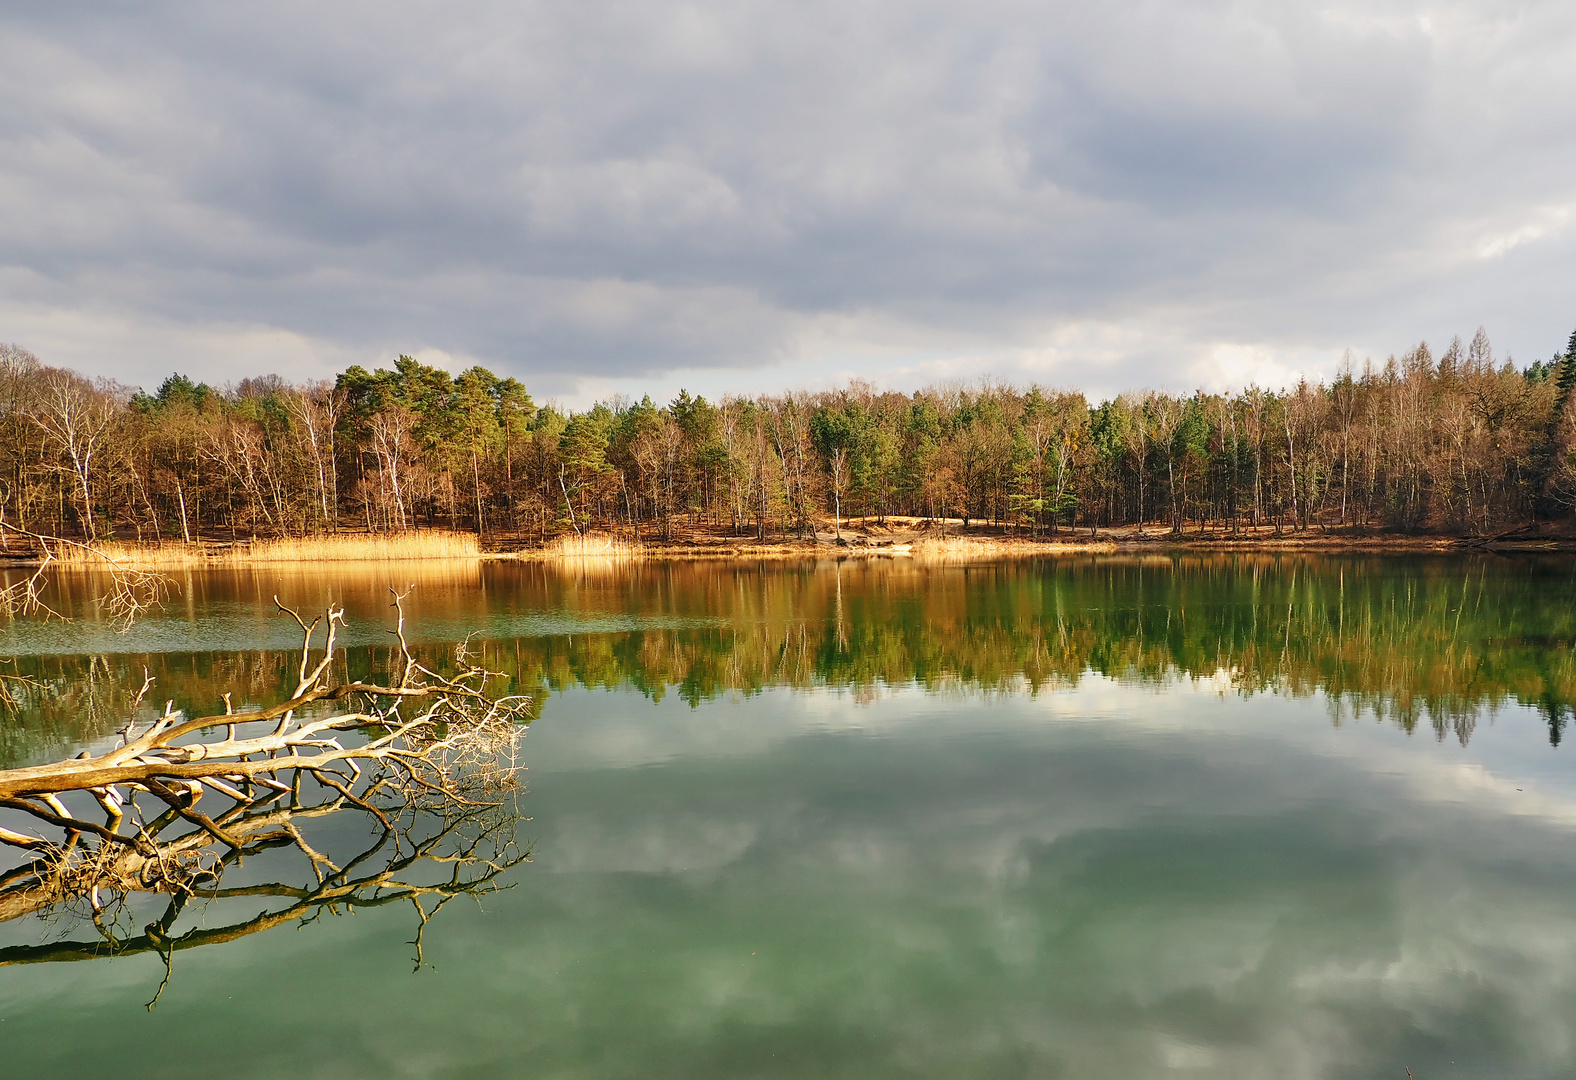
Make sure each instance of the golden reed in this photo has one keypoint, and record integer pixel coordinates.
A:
(965, 548)
(592, 546)
(299, 550)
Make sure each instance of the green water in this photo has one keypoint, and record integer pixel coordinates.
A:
(1105, 818)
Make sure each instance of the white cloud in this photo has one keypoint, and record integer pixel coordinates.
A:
(588, 196)
(1546, 221)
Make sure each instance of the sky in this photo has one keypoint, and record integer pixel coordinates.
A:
(630, 198)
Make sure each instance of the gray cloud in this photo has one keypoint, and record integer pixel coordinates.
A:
(783, 195)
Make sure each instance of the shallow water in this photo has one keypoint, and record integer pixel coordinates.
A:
(1238, 816)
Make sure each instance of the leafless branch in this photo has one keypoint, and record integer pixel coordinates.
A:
(426, 744)
(131, 591)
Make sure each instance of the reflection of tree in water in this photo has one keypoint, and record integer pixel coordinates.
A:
(1411, 641)
(426, 759)
(62, 703)
(1403, 640)
(1557, 716)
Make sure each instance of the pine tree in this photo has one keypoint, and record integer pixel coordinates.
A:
(1566, 379)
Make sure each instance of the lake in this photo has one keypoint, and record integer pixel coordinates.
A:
(1095, 817)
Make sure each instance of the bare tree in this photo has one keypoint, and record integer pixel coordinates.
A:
(75, 418)
(316, 409)
(391, 445)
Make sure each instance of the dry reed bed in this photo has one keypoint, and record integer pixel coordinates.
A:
(592, 546)
(602, 548)
(610, 550)
(301, 551)
(960, 548)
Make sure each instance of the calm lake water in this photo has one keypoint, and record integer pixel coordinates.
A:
(1238, 816)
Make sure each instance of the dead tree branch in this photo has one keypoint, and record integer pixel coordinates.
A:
(132, 591)
(126, 820)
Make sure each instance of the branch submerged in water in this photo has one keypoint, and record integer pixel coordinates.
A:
(426, 748)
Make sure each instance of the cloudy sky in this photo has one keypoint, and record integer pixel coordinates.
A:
(633, 197)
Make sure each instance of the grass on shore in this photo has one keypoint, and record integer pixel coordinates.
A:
(300, 550)
(921, 540)
(611, 549)
(960, 548)
(592, 546)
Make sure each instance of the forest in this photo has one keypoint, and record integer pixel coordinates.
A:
(1457, 442)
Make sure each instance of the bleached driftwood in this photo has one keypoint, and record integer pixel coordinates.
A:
(98, 828)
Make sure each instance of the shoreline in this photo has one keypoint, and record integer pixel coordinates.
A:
(987, 548)
(923, 546)
(914, 538)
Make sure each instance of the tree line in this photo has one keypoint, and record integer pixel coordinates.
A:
(1460, 442)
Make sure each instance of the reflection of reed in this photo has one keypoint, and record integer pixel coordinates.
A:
(191, 591)
(368, 579)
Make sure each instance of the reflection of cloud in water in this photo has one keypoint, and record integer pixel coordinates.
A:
(1231, 888)
(1106, 882)
(916, 864)
(622, 732)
